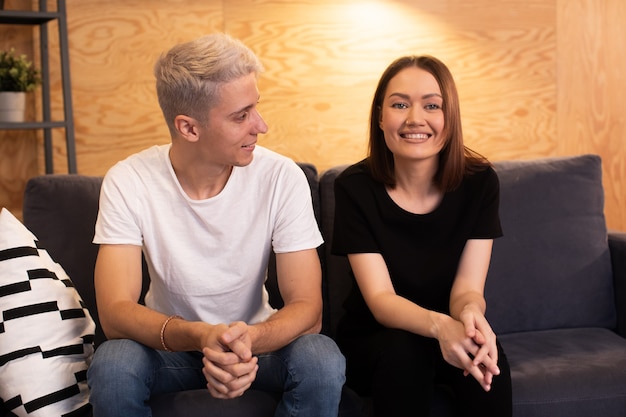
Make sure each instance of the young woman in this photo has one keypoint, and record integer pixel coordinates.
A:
(417, 219)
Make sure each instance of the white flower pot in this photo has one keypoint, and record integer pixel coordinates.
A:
(12, 106)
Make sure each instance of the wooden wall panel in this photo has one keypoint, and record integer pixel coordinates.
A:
(18, 148)
(591, 86)
(323, 60)
(536, 78)
(114, 45)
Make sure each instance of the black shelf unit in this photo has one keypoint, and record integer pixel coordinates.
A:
(41, 18)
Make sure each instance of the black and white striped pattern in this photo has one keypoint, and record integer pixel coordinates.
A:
(46, 333)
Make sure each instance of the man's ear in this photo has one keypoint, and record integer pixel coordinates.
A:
(187, 127)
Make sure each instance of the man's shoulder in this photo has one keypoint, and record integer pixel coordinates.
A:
(153, 154)
(149, 159)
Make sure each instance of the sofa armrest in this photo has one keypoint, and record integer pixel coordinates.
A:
(617, 246)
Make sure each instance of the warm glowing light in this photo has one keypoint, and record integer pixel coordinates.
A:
(384, 30)
(371, 13)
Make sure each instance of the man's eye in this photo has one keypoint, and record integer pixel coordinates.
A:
(242, 116)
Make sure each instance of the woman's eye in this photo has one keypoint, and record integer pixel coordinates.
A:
(399, 106)
(432, 106)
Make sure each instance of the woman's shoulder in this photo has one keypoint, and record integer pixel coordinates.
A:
(484, 177)
(355, 171)
(485, 170)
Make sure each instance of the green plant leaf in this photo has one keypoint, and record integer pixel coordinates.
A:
(17, 73)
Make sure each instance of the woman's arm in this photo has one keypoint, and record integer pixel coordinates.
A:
(394, 311)
(467, 303)
(390, 309)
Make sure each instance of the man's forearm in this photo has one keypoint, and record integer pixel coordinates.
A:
(284, 326)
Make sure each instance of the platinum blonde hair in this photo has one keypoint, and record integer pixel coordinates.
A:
(189, 74)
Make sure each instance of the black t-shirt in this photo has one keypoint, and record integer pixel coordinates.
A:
(422, 251)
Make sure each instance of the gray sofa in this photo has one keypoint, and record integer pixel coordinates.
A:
(556, 289)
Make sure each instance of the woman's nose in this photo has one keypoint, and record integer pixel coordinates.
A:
(414, 117)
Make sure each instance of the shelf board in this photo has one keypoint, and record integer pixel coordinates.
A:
(31, 125)
(22, 17)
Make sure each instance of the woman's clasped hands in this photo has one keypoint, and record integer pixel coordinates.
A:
(470, 344)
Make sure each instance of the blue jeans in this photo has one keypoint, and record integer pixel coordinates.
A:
(309, 372)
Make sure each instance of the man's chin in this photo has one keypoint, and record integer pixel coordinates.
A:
(244, 162)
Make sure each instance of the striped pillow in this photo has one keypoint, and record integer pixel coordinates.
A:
(46, 333)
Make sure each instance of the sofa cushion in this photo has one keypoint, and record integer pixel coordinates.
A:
(253, 403)
(46, 333)
(567, 372)
(552, 267)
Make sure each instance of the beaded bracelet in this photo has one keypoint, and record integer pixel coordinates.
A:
(165, 323)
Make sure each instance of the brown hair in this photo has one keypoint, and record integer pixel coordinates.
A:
(455, 159)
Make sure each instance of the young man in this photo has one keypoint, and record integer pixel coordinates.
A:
(206, 211)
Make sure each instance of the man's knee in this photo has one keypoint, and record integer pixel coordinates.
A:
(318, 355)
(117, 360)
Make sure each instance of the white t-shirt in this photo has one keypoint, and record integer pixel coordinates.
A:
(208, 259)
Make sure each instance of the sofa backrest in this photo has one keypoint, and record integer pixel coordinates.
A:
(552, 267)
(550, 270)
(60, 210)
(337, 280)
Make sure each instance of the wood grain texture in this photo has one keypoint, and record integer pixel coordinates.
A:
(18, 149)
(114, 45)
(537, 78)
(323, 60)
(591, 85)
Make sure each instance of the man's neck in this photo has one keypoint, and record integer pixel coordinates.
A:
(199, 181)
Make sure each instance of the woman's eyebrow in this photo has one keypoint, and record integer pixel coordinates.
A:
(407, 97)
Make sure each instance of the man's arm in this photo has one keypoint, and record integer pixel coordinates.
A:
(300, 283)
(118, 287)
(118, 278)
(299, 280)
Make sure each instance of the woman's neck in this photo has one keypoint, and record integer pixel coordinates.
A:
(415, 190)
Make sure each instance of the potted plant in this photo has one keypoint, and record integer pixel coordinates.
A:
(17, 77)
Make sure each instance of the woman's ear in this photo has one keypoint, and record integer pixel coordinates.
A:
(187, 127)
